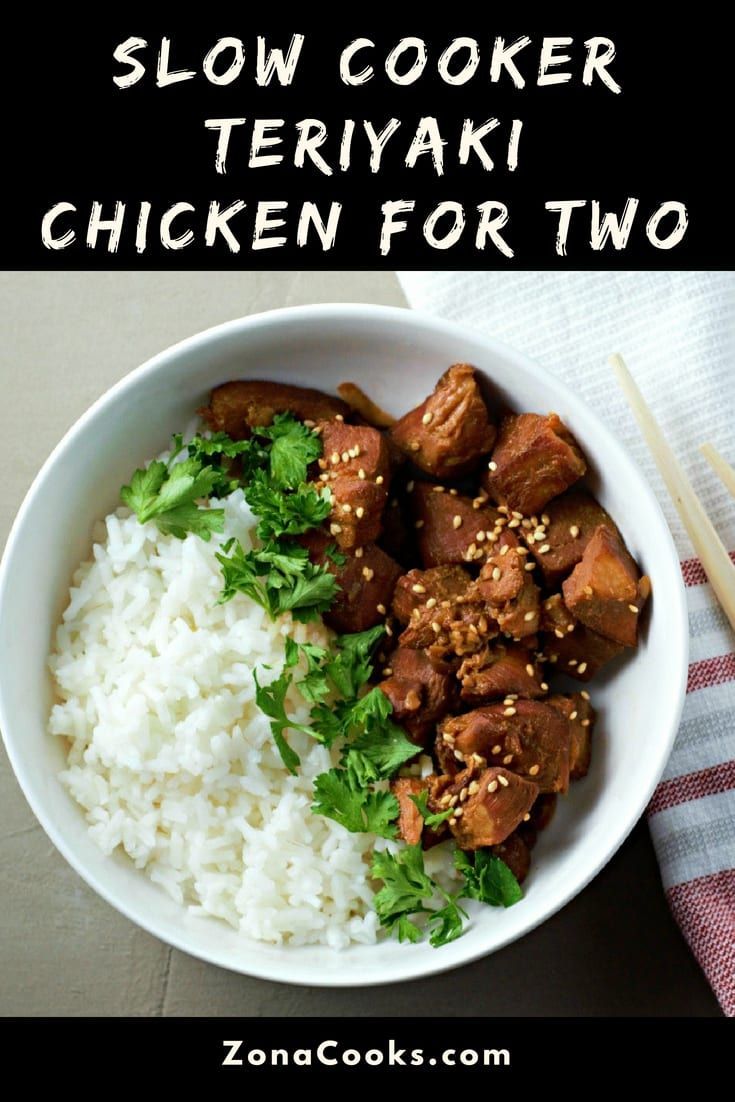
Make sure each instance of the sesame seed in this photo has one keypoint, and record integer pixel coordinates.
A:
(633, 608)
(534, 770)
(585, 695)
(418, 588)
(322, 464)
(356, 451)
(473, 788)
(345, 457)
(504, 549)
(427, 418)
(379, 480)
(480, 536)
(338, 417)
(510, 700)
(585, 723)
(497, 749)
(570, 627)
(457, 812)
(521, 551)
(517, 515)
(544, 549)
(582, 667)
(492, 465)
(381, 609)
(388, 671)
(414, 445)
(368, 572)
(515, 523)
(588, 590)
(457, 521)
(452, 822)
(509, 711)
(529, 616)
(529, 669)
(335, 458)
(359, 512)
(453, 492)
(463, 795)
(419, 524)
(347, 508)
(558, 633)
(438, 490)
(416, 615)
(507, 759)
(526, 817)
(361, 473)
(572, 662)
(388, 630)
(545, 519)
(412, 701)
(359, 552)
(435, 627)
(431, 603)
(460, 757)
(544, 687)
(530, 566)
(530, 537)
(492, 787)
(503, 780)
(410, 486)
(310, 424)
(324, 478)
(335, 529)
(573, 715)
(574, 531)
(496, 574)
(503, 508)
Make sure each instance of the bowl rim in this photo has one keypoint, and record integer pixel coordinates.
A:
(415, 968)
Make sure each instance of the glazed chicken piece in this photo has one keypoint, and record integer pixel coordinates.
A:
(418, 588)
(355, 465)
(541, 815)
(366, 580)
(535, 458)
(451, 528)
(527, 736)
(508, 589)
(581, 716)
(558, 538)
(450, 431)
(605, 591)
(488, 805)
(454, 628)
(420, 691)
(238, 407)
(514, 851)
(411, 826)
(569, 646)
(499, 670)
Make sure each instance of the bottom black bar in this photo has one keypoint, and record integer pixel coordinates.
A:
(516, 1052)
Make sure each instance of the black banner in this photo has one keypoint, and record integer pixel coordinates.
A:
(509, 1053)
(610, 155)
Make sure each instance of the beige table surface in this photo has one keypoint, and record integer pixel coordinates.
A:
(63, 951)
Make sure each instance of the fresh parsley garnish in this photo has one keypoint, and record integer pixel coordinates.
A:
(407, 888)
(168, 493)
(279, 576)
(487, 879)
(339, 796)
(271, 699)
(210, 452)
(293, 448)
(284, 513)
(431, 819)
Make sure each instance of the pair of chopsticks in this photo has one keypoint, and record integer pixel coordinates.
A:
(712, 553)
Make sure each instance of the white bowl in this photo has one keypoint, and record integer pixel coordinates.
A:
(396, 355)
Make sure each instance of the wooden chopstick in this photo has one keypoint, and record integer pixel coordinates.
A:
(719, 465)
(709, 547)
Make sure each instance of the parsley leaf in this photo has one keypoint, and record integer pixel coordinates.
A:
(286, 514)
(382, 744)
(356, 809)
(406, 890)
(279, 576)
(293, 448)
(351, 666)
(446, 923)
(488, 879)
(271, 701)
(167, 493)
(314, 686)
(209, 451)
(431, 819)
(332, 552)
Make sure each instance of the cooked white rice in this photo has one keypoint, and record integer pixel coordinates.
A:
(169, 755)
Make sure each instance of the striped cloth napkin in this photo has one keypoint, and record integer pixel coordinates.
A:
(676, 331)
